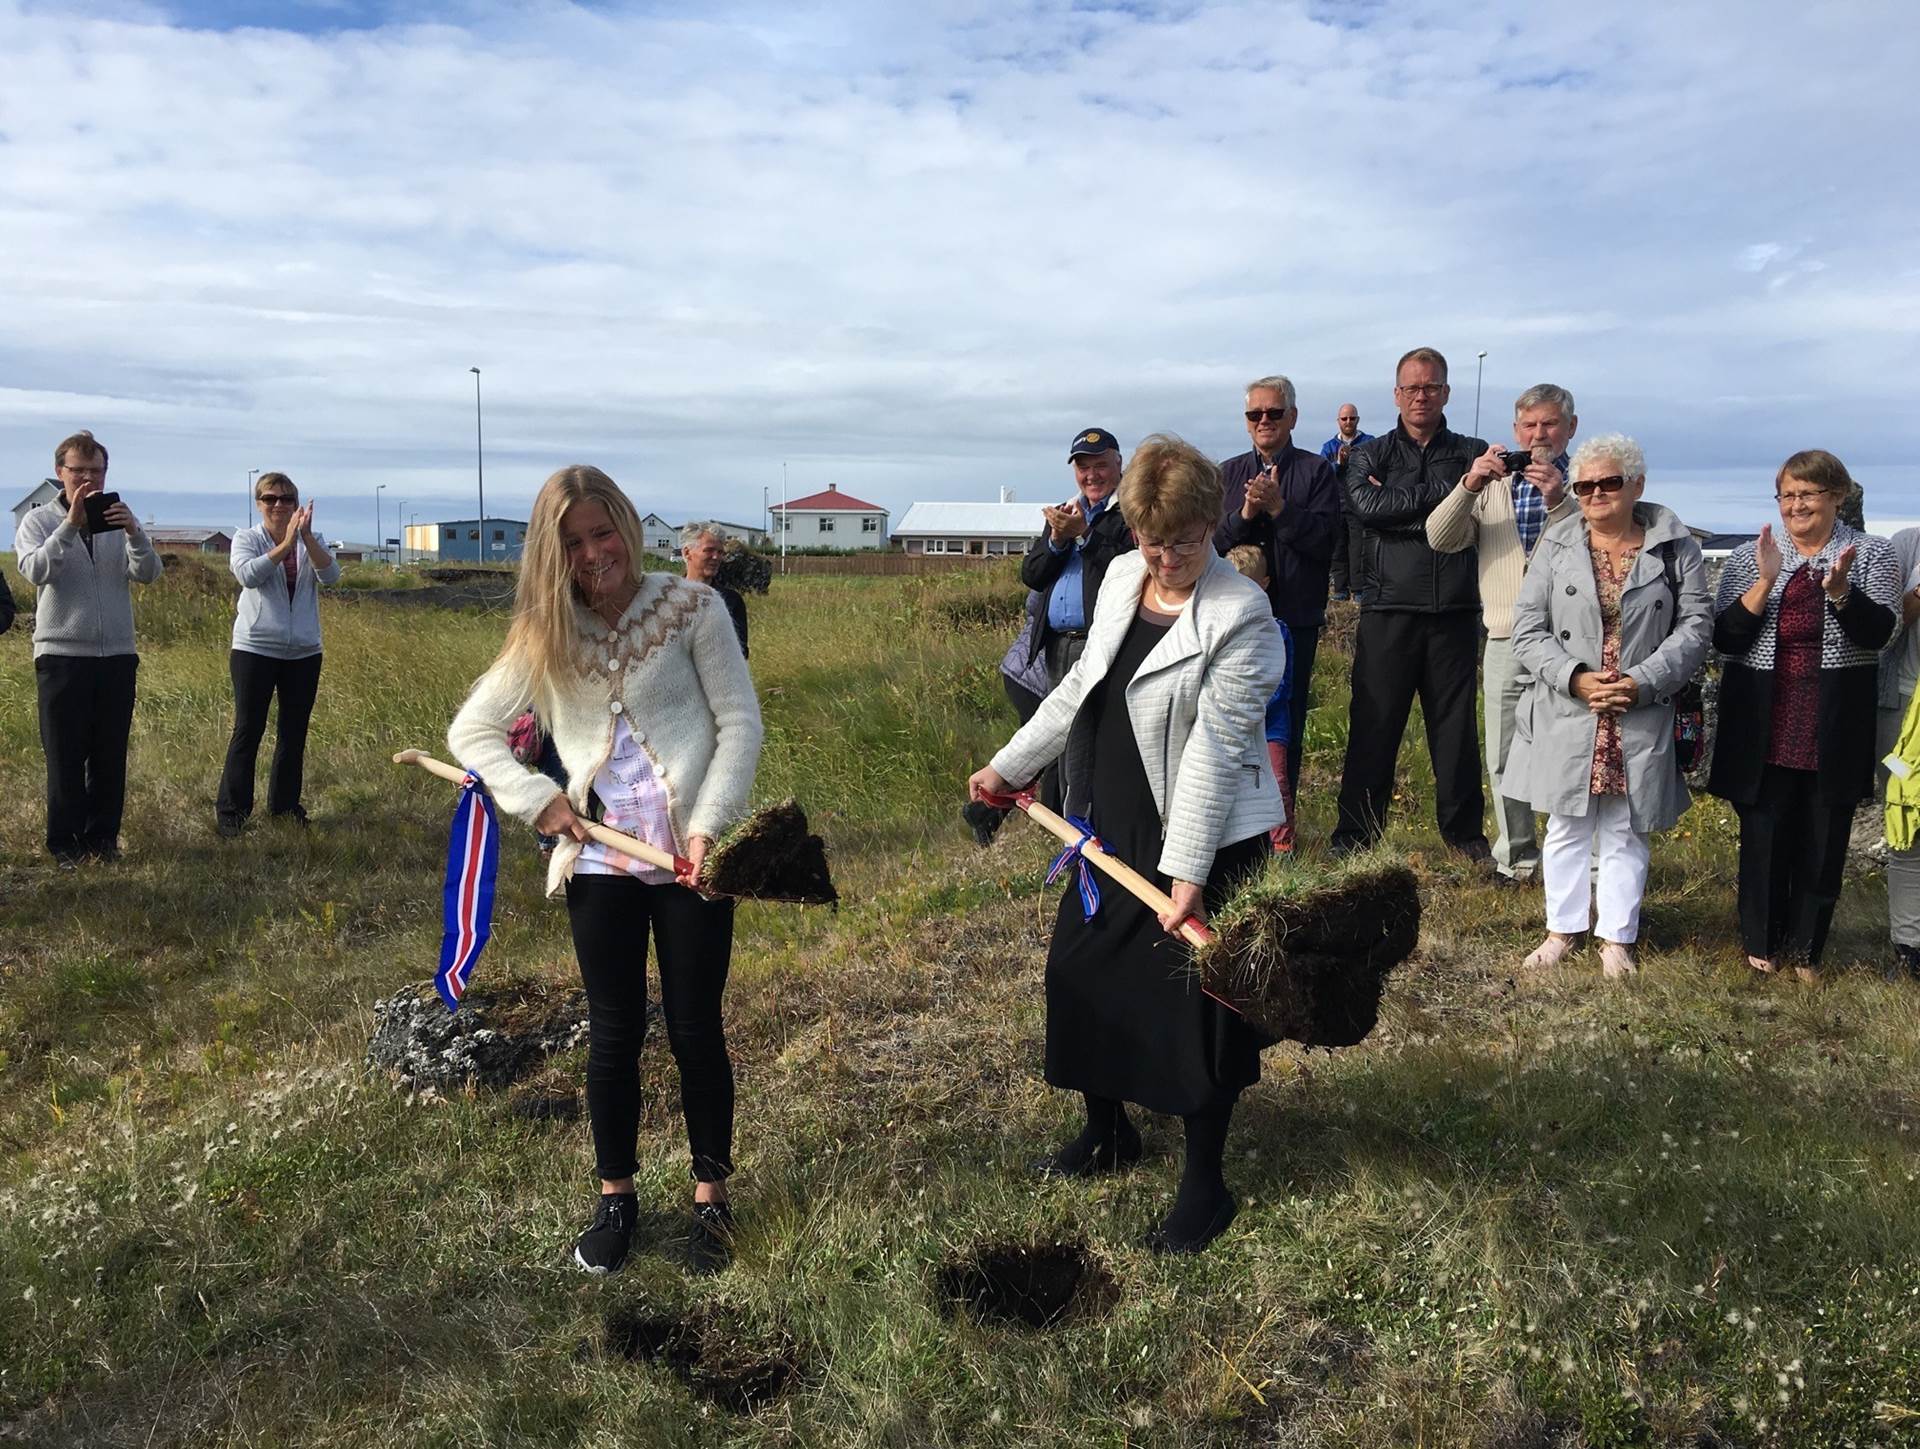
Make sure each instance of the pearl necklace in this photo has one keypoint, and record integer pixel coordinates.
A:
(1159, 604)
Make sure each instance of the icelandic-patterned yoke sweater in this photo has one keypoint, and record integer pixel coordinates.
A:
(673, 667)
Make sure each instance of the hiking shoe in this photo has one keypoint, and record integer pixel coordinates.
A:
(602, 1248)
(710, 1248)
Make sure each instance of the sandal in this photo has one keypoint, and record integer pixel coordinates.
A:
(1616, 961)
(1549, 952)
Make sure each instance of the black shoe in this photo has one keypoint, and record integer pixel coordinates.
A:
(296, 816)
(983, 820)
(1072, 1161)
(1906, 961)
(1163, 1240)
(710, 1248)
(229, 826)
(603, 1247)
(1475, 851)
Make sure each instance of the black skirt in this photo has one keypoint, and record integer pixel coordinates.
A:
(1125, 1014)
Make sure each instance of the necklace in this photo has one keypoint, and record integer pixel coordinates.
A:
(1160, 605)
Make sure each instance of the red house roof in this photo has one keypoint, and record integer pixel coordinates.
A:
(832, 498)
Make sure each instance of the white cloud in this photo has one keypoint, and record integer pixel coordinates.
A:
(913, 249)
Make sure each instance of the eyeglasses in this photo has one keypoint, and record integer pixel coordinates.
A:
(1587, 487)
(1787, 500)
(1185, 548)
(1421, 389)
(1267, 415)
(277, 500)
(84, 472)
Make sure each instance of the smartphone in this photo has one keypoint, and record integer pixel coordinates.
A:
(97, 505)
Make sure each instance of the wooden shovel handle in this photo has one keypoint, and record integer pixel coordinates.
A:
(1134, 883)
(605, 834)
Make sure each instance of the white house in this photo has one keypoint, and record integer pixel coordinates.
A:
(969, 528)
(659, 536)
(830, 520)
(46, 492)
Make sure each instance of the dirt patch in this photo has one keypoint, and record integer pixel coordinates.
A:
(495, 1038)
(709, 1352)
(1035, 1286)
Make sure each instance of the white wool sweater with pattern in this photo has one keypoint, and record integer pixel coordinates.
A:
(686, 695)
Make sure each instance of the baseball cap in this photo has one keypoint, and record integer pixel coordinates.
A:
(1093, 440)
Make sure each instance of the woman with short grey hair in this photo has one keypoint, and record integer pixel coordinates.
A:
(1611, 621)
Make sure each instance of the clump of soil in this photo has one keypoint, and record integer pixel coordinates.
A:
(498, 1035)
(1035, 1286)
(772, 856)
(1305, 954)
(708, 1352)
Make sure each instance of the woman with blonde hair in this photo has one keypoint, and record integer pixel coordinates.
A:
(639, 682)
(1161, 720)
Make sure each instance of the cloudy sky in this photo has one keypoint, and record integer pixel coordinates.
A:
(912, 249)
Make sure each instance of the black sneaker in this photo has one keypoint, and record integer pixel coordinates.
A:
(229, 826)
(710, 1248)
(1906, 961)
(602, 1248)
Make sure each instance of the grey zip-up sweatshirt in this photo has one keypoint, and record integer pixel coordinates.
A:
(83, 602)
(267, 621)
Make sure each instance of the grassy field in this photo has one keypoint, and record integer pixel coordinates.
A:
(1529, 1211)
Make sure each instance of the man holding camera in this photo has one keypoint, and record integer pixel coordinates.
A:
(1284, 501)
(1419, 629)
(80, 551)
(1499, 509)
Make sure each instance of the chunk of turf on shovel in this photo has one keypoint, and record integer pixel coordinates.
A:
(771, 856)
(1304, 947)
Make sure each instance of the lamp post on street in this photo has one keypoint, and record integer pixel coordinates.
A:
(398, 508)
(247, 518)
(379, 538)
(405, 537)
(1479, 371)
(479, 463)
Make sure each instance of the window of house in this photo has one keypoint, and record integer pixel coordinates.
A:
(452, 534)
(826, 525)
(869, 525)
(474, 534)
(499, 535)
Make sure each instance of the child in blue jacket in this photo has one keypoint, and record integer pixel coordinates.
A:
(1249, 559)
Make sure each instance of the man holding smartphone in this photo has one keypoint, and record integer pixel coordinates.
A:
(1499, 509)
(1285, 501)
(80, 552)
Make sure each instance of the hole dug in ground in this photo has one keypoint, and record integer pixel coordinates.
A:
(1035, 1285)
(709, 1351)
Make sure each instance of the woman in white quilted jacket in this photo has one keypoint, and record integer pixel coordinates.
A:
(1163, 722)
(639, 681)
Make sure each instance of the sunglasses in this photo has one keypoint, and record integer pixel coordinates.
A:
(1587, 487)
(1267, 415)
(276, 500)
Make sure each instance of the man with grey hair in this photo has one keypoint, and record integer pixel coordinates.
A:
(1499, 508)
(702, 548)
(1285, 501)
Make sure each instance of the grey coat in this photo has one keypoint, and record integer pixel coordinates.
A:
(1556, 631)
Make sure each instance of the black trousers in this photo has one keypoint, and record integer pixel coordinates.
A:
(1306, 644)
(1025, 703)
(256, 679)
(1793, 855)
(1348, 572)
(610, 916)
(86, 717)
(1396, 656)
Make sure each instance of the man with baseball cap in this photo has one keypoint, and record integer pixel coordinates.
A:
(1069, 559)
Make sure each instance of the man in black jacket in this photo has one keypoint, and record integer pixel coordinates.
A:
(1419, 629)
(1068, 561)
(1285, 501)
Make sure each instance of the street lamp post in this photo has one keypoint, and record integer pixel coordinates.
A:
(398, 508)
(1479, 371)
(247, 517)
(479, 463)
(379, 538)
(406, 536)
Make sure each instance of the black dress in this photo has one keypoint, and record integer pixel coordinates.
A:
(1126, 1018)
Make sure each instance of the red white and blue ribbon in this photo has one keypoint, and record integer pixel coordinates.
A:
(473, 855)
(1089, 884)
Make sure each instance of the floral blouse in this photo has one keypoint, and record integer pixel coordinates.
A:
(1609, 760)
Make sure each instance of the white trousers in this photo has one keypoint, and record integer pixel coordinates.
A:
(1605, 838)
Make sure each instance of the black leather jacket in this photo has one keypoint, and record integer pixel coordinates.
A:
(1403, 571)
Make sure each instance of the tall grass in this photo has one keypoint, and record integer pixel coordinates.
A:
(1531, 1210)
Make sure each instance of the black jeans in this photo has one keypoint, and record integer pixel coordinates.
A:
(256, 678)
(1793, 855)
(86, 716)
(1397, 655)
(694, 946)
